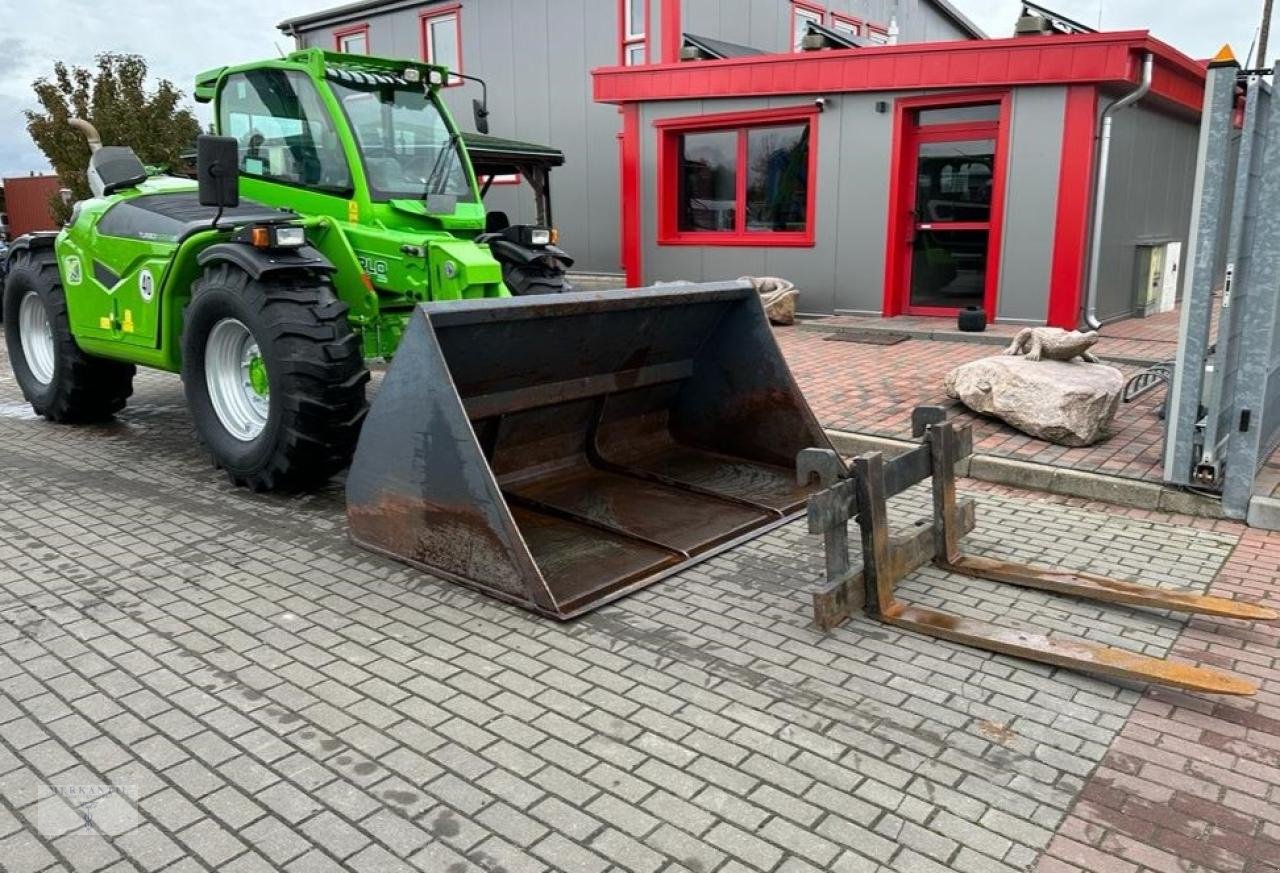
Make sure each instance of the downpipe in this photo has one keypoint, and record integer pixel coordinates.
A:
(1100, 195)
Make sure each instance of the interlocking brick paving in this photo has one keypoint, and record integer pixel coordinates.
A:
(1192, 783)
(872, 389)
(276, 698)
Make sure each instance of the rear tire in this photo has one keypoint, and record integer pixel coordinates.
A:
(60, 381)
(274, 377)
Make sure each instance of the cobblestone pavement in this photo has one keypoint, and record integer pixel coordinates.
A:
(264, 695)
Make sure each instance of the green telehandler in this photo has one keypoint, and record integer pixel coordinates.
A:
(557, 449)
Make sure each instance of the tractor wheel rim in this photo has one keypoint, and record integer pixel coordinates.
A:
(237, 378)
(37, 337)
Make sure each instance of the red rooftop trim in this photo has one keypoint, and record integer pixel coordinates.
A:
(1095, 58)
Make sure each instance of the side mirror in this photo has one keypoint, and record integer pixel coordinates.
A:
(217, 171)
(481, 111)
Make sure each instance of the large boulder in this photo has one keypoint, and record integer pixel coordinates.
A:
(1069, 403)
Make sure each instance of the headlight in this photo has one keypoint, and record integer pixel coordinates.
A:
(290, 236)
(412, 74)
(436, 77)
(539, 236)
(275, 236)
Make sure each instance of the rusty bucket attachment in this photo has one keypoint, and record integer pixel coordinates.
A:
(887, 560)
(562, 451)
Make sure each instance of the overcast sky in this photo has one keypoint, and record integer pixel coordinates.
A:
(181, 37)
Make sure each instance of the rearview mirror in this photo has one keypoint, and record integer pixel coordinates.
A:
(217, 171)
(481, 112)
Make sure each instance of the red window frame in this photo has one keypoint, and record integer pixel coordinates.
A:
(670, 131)
(857, 24)
(897, 268)
(877, 29)
(796, 7)
(353, 30)
(499, 179)
(628, 40)
(424, 34)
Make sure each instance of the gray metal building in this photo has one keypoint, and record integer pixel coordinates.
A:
(537, 57)
(916, 179)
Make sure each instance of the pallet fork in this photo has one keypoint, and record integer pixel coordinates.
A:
(863, 493)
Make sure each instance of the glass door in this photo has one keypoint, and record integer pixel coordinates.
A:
(949, 241)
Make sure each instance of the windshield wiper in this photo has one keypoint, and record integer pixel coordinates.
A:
(441, 169)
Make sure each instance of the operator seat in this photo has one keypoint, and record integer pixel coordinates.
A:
(496, 221)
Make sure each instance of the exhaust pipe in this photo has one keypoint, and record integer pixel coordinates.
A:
(90, 132)
(1100, 195)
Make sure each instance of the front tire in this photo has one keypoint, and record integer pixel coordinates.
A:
(531, 279)
(60, 381)
(274, 377)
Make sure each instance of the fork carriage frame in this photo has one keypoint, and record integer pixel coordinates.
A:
(862, 493)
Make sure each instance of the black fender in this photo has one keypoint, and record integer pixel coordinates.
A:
(260, 262)
(36, 241)
(548, 257)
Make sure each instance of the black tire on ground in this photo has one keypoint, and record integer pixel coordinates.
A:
(521, 281)
(314, 369)
(83, 387)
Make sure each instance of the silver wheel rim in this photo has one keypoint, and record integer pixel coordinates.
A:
(37, 337)
(232, 365)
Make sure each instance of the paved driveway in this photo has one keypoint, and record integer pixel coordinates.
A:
(196, 678)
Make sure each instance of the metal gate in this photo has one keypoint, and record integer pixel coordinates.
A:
(1224, 403)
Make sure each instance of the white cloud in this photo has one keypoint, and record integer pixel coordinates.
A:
(1196, 27)
(178, 39)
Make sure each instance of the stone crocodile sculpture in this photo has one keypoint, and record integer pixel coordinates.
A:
(1053, 344)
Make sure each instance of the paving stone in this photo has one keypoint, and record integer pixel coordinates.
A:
(294, 702)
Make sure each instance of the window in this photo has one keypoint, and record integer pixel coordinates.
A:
(285, 133)
(442, 39)
(407, 149)
(959, 114)
(778, 179)
(633, 17)
(709, 181)
(877, 34)
(801, 15)
(738, 179)
(353, 40)
(846, 25)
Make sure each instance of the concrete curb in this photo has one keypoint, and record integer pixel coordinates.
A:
(953, 336)
(1264, 512)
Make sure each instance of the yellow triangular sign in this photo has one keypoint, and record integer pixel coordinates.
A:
(1224, 55)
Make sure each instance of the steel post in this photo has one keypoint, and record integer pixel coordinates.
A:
(1207, 224)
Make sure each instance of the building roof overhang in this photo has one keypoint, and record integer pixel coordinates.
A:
(1106, 60)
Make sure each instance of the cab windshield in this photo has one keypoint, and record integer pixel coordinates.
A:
(407, 148)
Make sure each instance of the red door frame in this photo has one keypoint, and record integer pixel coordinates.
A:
(902, 189)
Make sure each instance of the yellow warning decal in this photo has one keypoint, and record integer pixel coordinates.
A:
(128, 321)
(353, 211)
(105, 322)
